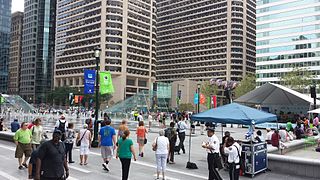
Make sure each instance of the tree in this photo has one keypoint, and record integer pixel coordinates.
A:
(297, 79)
(208, 89)
(60, 95)
(247, 84)
(186, 107)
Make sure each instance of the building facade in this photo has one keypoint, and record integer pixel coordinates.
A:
(15, 53)
(37, 49)
(200, 40)
(5, 22)
(125, 32)
(288, 36)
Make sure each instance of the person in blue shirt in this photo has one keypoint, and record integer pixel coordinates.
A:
(107, 142)
(15, 125)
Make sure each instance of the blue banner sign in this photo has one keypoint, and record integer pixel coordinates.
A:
(89, 80)
(196, 98)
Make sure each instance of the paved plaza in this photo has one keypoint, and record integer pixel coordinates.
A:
(144, 168)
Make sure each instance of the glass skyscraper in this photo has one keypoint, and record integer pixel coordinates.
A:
(37, 49)
(288, 36)
(5, 22)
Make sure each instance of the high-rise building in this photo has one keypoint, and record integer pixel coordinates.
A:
(15, 52)
(5, 22)
(288, 36)
(37, 49)
(125, 32)
(204, 39)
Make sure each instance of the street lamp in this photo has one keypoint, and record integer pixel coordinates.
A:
(198, 86)
(97, 53)
(178, 96)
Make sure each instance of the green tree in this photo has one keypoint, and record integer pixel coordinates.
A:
(208, 90)
(60, 95)
(297, 79)
(247, 84)
(186, 107)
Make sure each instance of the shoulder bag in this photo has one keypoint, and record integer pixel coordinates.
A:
(154, 148)
(79, 142)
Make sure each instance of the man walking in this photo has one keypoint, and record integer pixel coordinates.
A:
(212, 147)
(51, 160)
(62, 125)
(22, 139)
(107, 141)
(182, 128)
(171, 134)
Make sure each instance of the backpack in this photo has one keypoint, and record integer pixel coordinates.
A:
(62, 126)
(170, 134)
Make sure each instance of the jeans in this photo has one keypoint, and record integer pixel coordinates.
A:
(213, 173)
(69, 147)
(171, 151)
(125, 163)
(182, 137)
(161, 162)
(233, 172)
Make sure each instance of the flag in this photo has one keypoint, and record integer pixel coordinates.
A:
(1, 99)
(214, 101)
(208, 102)
(76, 99)
(202, 99)
(195, 99)
(106, 86)
(89, 81)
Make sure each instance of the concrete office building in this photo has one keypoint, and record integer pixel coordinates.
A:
(37, 49)
(5, 22)
(125, 32)
(15, 52)
(288, 36)
(200, 40)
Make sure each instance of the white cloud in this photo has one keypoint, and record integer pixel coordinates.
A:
(17, 5)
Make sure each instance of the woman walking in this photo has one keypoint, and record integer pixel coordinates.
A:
(124, 152)
(85, 137)
(161, 146)
(37, 134)
(141, 137)
(70, 135)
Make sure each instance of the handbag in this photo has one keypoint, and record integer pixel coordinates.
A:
(154, 148)
(145, 140)
(79, 142)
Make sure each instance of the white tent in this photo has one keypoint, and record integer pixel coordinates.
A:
(315, 111)
(275, 94)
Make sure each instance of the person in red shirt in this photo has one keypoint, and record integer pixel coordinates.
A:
(275, 139)
(141, 137)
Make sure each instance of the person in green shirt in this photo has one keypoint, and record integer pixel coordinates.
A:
(124, 152)
(22, 139)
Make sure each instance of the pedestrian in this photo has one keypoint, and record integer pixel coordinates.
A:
(224, 156)
(22, 139)
(269, 135)
(233, 149)
(212, 148)
(32, 166)
(124, 152)
(259, 138)
(107, 141)
(51, 160)
(123, 126)
(1, 124)
(182, 128)
(62, 125)
(15, 125)
(140, 117)
(164, 120)
(70, 135)
(150, 119)
(85, 137)
(141, 137)
(171, 134)
(161, 146)
(37, 134)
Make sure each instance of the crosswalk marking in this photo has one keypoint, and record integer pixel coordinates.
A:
(79, 169)
(7, 176)
(167, 177)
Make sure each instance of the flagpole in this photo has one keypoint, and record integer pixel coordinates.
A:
(95, 141)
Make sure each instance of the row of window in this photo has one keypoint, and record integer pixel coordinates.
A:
(288, 48)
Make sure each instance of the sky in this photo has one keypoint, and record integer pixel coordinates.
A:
(17, 5)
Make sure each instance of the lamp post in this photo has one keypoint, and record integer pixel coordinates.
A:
(198, 88)
(97, 52)
(178, 96)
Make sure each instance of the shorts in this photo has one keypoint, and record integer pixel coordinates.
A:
(140, 141)
(23, 149)
(84, 150)
(106, 152)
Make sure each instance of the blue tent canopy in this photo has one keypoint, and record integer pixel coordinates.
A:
(234, 114)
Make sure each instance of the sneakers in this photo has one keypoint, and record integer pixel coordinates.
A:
(171, 162)
(25, 165)
(20, 167)
(71, 161)
(105, 167)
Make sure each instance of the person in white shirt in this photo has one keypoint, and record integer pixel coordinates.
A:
(233, 149)
(85, 137)
(140, 117)
(212, 147)
(150, 119)
(269, 135)
(259, 136)
(161, 144)
(182, 128)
